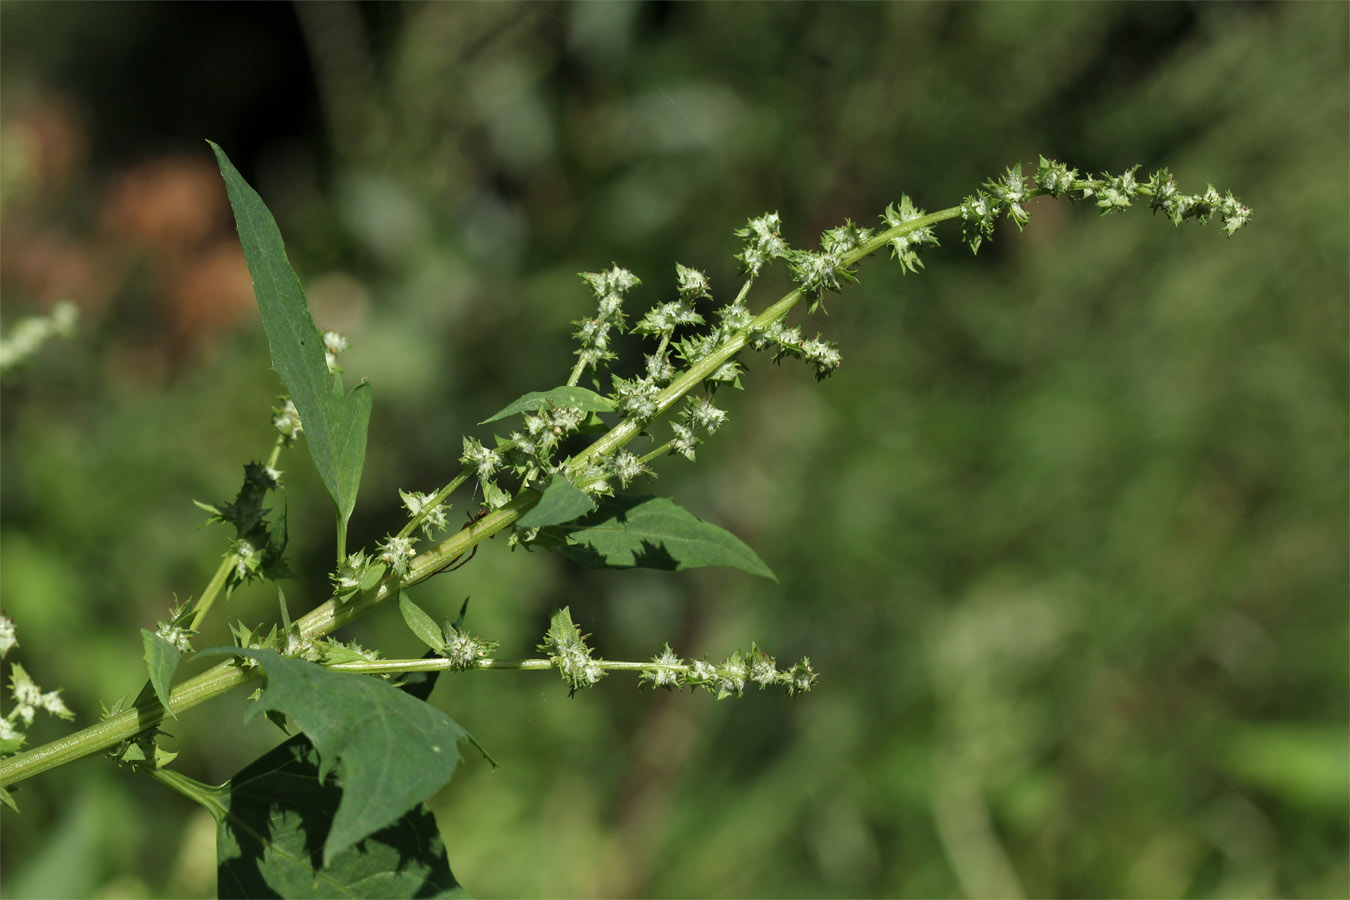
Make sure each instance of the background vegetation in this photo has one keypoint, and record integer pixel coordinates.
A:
(1066, 536)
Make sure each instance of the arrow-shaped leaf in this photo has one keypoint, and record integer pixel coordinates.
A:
(573, 397)
(651, 533)
(267, 845)
(395, 750)
(335, 425)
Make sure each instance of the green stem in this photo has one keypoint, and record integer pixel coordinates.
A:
(276, 452)
(213, 589)
(745, 289)
(658, 452)
(123, 726)
(395, 666)
(194, 790)
(576, 373)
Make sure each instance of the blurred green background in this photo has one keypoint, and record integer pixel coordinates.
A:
(1066, 536)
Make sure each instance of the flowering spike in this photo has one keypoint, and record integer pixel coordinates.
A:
(763, 244)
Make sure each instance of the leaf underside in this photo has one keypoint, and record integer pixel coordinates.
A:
(561, 502)
(270, 838)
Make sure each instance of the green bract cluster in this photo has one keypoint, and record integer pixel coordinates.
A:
(580, 668)
(259, 543)
(1112, 193)
(26, 697)
(731, 676)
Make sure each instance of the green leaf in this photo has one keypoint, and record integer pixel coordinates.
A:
(267, 844)
(651, 533)
(421, 624)
(372, 576)
(161, 659)
(561, 502)
(335, 425)
(395, 751)
(574, 397)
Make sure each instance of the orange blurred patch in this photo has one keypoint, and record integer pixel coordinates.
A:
(172, 214)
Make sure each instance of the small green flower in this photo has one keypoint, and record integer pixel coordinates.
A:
(763, 670)
(844, 238)
(434, 517)
(286, 421)
(626, 467)
(691, 283)
(484, 460)
(823, 355)
(667, 676)
(333, 344)
(905, 247)
(8, 636)
(566, 646)
(636, 397)
(762, 244)
(247, 559)
(703, 414)
(816, 273)
(731, 676)
(463, 650)
(799, 678)
(177, 636)
(684, 441)
(1055, 177)
(397, 552)
(978, 215)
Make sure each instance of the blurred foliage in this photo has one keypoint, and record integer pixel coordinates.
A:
(1066, 536)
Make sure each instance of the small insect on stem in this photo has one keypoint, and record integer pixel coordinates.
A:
(456, 563)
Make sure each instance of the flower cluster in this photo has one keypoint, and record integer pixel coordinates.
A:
(463, 649)
(351, 574)
(9, 638)
(699, 416)
(763, 243)
(396, 553)
(845, 238)
(816, 273)
(1111, 193)
(663, 319)
(636, 397)
(333, 344)
(626, 466)
(1179, 207)
(822, 355)
(609, 288)
(431, 516)
(729, 677)
(257, 549)
(531, 451)
(905, 247)
(483, 460)
(28, 697)
(286, 421)
(566, 648)
(175, 634)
